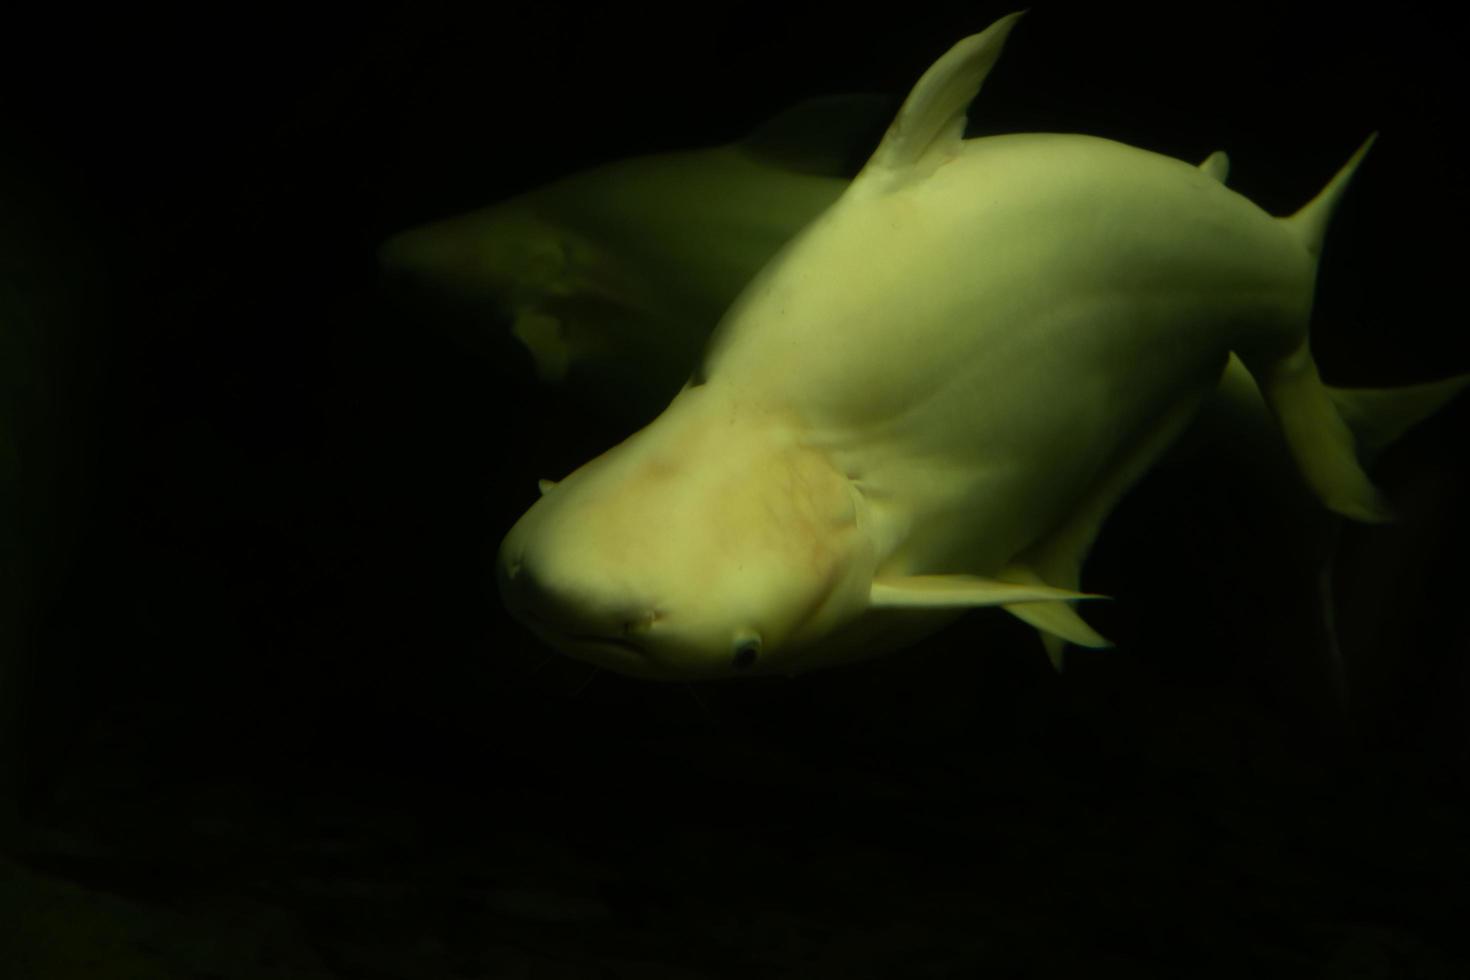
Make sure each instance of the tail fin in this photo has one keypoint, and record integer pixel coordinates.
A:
(1330, 429)
(1378, 416)
(1310, 223)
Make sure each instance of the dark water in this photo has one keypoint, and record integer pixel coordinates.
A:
(263, 715)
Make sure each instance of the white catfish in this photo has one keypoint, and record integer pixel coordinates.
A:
(930, 401)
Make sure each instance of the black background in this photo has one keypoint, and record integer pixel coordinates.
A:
(261, 684)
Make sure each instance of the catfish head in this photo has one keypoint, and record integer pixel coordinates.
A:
(714, 542)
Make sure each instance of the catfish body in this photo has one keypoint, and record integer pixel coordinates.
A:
(982, 344)
(931, 399)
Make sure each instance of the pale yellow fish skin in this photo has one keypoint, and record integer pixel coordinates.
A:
(972, 344)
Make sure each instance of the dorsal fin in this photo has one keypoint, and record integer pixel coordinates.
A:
(1310, 223)
(1217, 165)
(931, 121)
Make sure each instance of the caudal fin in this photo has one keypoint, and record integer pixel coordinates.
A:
(1379, 416)
(1329, 430)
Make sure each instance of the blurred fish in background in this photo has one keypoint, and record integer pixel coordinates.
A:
(612, 278)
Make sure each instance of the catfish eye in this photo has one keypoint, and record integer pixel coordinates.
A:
(746, 652)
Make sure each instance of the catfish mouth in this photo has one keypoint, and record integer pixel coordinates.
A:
(530, 604)
(601, 641)
(615, 641)
(614, 653)
(618, 654)
(618, 646)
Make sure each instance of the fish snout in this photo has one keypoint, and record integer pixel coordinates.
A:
(527, 594)
(571, 620)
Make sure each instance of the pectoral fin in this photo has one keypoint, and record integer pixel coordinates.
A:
(1019, 591)
(950, 591)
